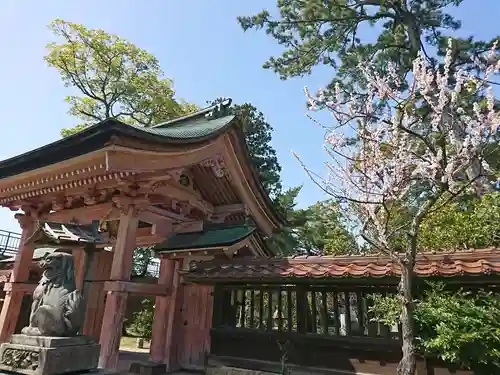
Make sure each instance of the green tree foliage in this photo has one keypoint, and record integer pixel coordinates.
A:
(285, 241)
(116, 79)
(318, 229)
(459, 328)
(343, 33)
(470, 222)
(325, 231)
(141, 260)
(258, 135)
(142, 321)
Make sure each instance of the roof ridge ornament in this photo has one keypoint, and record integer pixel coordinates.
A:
(221, 108)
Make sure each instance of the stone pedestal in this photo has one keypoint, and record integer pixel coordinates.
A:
(39, 355)
(148, 368)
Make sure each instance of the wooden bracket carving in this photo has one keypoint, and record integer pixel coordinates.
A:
(176, 173)
(89, 199)
(58, 203)
(217, 164)
(220, 213)
(128, 187)
(69, 202)
(185, 209)
(124, 204)
(29, 207)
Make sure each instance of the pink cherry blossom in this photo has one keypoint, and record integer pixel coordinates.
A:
(431, 133)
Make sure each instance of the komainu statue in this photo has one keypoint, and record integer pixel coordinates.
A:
(57, 304)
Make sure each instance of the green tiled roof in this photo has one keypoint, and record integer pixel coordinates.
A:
(190, 128)
(222, 236)
(195, 127)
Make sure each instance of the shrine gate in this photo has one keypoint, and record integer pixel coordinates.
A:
(186, 185)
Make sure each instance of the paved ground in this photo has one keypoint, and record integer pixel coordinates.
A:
(128, 357)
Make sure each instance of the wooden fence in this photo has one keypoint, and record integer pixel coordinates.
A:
(327, 326)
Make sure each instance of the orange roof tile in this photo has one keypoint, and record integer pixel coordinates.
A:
(471, 263)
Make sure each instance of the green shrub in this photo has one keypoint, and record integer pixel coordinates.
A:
(462, 329)
(142, 321)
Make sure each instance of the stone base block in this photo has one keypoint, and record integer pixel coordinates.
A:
(51, 342)
(33, 355)
(148, 368)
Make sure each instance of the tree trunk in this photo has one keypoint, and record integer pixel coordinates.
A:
(407, 365)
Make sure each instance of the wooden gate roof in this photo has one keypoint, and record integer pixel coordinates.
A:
(227, 239)
(194, 128)
(166, 165)
(464, 263)
(223, 235)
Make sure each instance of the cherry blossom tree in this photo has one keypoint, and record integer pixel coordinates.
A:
(414, 144)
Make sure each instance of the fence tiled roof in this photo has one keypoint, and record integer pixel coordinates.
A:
(446, 264)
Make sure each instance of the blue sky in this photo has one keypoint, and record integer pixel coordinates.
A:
(200, 46)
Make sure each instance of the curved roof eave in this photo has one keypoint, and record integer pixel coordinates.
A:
(277, 218)
(94, 138)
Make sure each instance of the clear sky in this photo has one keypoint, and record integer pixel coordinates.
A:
(200, 46)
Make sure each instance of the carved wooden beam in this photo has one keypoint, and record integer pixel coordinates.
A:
(180, 193)
(78, 186)
(84, 215)
(166, 213)
(121, 159)
(188, 226)
(155, 218)
(146, 237)
(220, 213)
(107, 211)
(88, 165)
(230, 209)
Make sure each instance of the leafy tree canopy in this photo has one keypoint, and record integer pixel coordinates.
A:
(258, 136)
(318, 229)
(468, 222)
(325, 231)
(471, 223)
(343, 33)
(115, 78)
(142, 321)
(141, 260)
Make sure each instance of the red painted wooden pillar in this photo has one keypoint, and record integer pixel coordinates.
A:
(174, 319)
(20, 273)
(79, 259)
(116, 302)
(196, 326)
(161, 313)
(95, 294)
